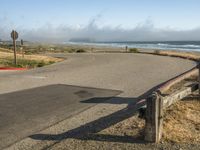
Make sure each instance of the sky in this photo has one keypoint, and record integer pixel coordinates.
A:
(101, 20)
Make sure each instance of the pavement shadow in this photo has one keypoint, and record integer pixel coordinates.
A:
(25, 112)
(90, 130)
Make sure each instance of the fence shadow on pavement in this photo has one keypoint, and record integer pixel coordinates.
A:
(90, 130)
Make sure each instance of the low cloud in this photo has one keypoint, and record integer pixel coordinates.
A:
(145, 31)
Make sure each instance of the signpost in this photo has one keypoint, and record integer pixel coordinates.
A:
(14, 36)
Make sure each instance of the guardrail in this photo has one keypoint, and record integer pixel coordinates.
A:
(157, 102)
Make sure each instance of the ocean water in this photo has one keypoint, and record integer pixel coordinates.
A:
(166, 45)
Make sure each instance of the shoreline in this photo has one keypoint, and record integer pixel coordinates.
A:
(156, 45)
(122, 49)
(192, 55)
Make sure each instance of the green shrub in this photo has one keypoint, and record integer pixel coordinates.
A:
(72, 50)
(28, 52)
(157, 51)
(80, 51)
(51, 62)
(24, 63)
(133, 50)
(41, 64)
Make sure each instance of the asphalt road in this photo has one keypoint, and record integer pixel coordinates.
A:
(33, 100)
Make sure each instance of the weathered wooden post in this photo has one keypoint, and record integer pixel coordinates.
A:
(14, 36)
(199, 75)
(154, 113)
(160, 118)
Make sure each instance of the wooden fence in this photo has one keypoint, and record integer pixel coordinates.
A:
(157, 102)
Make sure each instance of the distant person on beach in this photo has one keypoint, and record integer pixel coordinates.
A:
(126, 48)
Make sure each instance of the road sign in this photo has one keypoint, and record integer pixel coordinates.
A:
(14, 35)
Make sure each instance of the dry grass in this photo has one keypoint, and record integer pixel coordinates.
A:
(182, 121)
(28, 61)
(5, 50)
(186, 55)
(4, 55)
